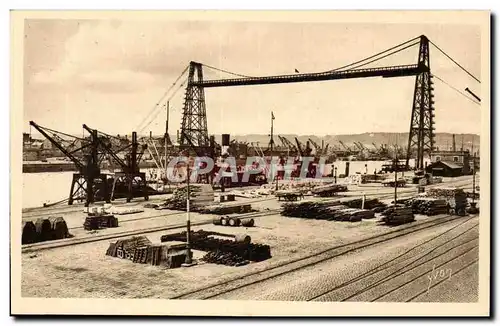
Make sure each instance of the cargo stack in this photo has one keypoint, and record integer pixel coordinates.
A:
(200, 197)
(96, 222)
(44, 229)
(328, 190)
(456, 198)
(141, 250)
(374, 204)
(428, 206)
(333, 211)
(398, 215)
(221, 251)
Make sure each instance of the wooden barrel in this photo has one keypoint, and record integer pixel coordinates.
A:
(217, 220)
(29, 234)
(59, 228)
(242, 238)
(43, 229)
(234, 221)
(248, 222)
(112, 221)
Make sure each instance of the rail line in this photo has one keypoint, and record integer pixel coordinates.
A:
(42, 211)
(325, 297)
(426, 272)
(389, 266)
(475, 261)
(292, 265)
(77, 241)
(61, 210)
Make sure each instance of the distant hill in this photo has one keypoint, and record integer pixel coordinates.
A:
(443, 140)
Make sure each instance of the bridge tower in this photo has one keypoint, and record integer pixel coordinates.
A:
(421, 136)
(194, 115)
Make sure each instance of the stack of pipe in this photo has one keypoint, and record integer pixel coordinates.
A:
(222, 251)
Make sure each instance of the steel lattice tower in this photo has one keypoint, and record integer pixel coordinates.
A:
(194, 116)
(421, 137)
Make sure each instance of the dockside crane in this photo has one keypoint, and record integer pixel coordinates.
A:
(129, 175)
(346, 148)
(317, 148)
(89, 183)
(303, 151)
(289, 144)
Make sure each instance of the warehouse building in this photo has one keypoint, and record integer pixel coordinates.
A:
(444, 169)
(462, 159)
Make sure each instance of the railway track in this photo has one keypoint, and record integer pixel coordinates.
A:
(375, 284)
(45, 211)
(77, 241)
(279, 269)
(66, 210)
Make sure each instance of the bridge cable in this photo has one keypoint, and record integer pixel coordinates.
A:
(364, 64)
(375, 55)
(169, 99)
(228, 72)
(456, 89)
(162, 97)
(470, 74)
(158, 112)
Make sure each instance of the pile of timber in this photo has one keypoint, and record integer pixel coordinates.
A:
(125, 211)
(373, 204)
(178, 201)
(456, 198)
(472, 195)
(307, 209)
(224, 210)
(199, 197)
(223, 251)
(328, 190)
(331, 211)
(96, 222)
(351, 215)
(44, 229)
(140, 250)
(398, 215)
(428, 206)
(224, 258)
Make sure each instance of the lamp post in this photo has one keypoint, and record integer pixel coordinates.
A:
(335, 175)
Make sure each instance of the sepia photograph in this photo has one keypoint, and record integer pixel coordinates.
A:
(260, 163)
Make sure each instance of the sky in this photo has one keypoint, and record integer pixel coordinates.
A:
(110, 74)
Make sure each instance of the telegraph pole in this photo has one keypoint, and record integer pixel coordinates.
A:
(166, 136)
(271, 145)
(396, 178)
(473, 178)
(189, 259)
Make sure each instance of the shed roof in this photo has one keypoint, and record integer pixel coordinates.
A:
(448, 164)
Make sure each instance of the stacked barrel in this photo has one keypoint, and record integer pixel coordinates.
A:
(44, 229)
